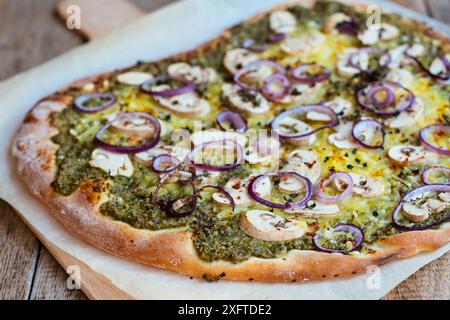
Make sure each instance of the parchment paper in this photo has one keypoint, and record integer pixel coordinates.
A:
(178, 27)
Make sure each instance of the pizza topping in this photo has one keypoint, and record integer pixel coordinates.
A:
(438, 69)
(320, 189)
(341, 142)
(265, 225)
(238, 189)
(353, 61)
(339, 23)
(251, 102)
(289, 127)
(254, 46)
(301, 44)
(315, 208)
(146, 157)
(221, 196)
(134, 78)
(202, 137)
(403, 76)
(188, 73)
(167, 87)
(134, 124)
(362, 185)
(407, 154)
(369, 133)
(378, 32)
(134, 143)
(217, 155)
(303, 162)
(112, 163)
(229, 120)
(276, 87)
(421, 207)
(340, 106)
(252, 75)
(291, 203)
(165, 163)
(408, 117)
(436, 175)
(385, 98)
(311, 73)
(436, 137)
(344, 238)
(237, 59)
(94, 102)
(282, 22)
(262, 150)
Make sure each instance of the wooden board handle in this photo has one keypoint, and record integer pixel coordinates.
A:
(95, 19)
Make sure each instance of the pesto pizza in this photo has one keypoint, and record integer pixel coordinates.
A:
(305, 143)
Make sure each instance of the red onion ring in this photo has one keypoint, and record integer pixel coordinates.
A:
(445, 77)
(276, 87)
(254, 194)
(252, 45)
(81, 100)
(275, 124)
(320, 193)
(222, 191)
(300, 74)
(363, 124)
(350, 228)
(160, 163)
(185, 88)
(277, 37)
(428, 172)
(176, 205)
(373, 97)
(236, 146)
(434, 128)
(235, 120)
(363, 97)
(248, 68)
(348, 27)
(129, 149)
(412, 194)
(381, 53)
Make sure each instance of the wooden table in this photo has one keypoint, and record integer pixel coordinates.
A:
(30, 33)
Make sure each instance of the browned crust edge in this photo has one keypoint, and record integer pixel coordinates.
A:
(173, 249)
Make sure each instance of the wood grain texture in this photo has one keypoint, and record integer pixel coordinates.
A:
(30, 33)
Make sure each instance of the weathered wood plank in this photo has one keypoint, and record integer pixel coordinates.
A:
(18, 255)
(439, 9)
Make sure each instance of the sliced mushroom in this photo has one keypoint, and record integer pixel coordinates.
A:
(263, 150)
(402, 76)
(415, 214)
(236, 59)
(114, 164)
(221, 199)
(266, 225)
(343, 64)
(445, 196)
(315, 208)
(250, 102)
(134, 78)
(341, 142)
(334, 20)
(190, 73)
(416, 50)
(362, 185)
(201, 137)
(134, 125)
(340, 106)
(378, 32)
(305, 163)
(438, 67)
(282, 22)
(408, 117)
(146, 157)
(187, 104)
(238, 190)
(435, 206)
(299, 92)
(290, 125)
(318, 116)
(302, 44)
(407, 154)
(205, 177)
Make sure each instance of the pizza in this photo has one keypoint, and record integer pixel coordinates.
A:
(302, 144)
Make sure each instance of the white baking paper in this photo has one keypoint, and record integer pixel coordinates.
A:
(175, 28)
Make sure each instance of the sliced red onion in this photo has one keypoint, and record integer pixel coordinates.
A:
(348, 27)
(224, 144)
(428, 172)
(165, 163)
(367, 98)
(129, 149)
(222, 191)
(252, 45)
(359, 136)
(252, 187)
(231, 120)
(436, 129)
(275, 124)
(320, 192)
(252, 66)
(277, 37)
(185, 88)
(413, 195)
(177, 210)
(81, 100)
(276, 87)
(444, 77)
(384, 58)
(350, 228)
(308, 74)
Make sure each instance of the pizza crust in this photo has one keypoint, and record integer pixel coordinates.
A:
(173, 249)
